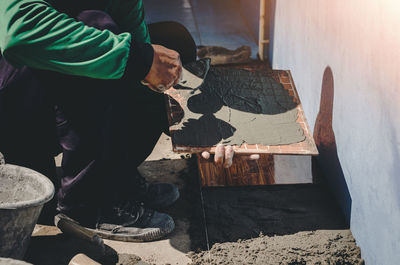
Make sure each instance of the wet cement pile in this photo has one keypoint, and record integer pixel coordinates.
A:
(235, 106)
(311, 248)
(236, 216)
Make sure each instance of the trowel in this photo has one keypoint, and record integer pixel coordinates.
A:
(193, 75)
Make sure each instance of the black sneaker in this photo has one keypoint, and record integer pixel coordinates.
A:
(157, 195)
(129, 222)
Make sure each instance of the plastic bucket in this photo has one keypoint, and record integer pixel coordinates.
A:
(23, 192)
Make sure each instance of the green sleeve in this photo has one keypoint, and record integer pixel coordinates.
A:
(129, 15)
(32, 33)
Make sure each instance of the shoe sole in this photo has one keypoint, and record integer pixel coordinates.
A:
(142, 234)
(73, 228)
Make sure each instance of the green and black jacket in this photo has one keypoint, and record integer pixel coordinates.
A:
(43, 34)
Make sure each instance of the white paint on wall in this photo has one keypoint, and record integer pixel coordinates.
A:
(291, 169)
(360, 41)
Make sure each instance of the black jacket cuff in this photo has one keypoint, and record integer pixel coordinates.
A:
(139, 61)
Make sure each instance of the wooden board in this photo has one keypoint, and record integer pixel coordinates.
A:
(243, 172)
(306, 147)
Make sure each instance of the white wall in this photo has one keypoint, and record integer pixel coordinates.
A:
(360, 41)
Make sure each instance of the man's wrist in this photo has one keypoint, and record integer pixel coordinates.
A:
(139, 61)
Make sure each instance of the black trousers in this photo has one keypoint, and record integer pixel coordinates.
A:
(105, 128)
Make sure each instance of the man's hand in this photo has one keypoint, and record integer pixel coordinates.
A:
(224, 155)
(165, 70)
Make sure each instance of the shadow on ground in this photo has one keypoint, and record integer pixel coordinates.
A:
(245, 212)
(233, 213)
(187, 211)
(60, 249)
(50, 247)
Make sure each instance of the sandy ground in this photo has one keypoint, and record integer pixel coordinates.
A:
(318, 247)
(280, 224)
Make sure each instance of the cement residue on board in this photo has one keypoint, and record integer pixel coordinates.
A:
(235, 106)
(317, 247)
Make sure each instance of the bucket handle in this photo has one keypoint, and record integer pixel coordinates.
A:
(2, 161)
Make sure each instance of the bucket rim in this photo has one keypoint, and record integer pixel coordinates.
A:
(47, 195)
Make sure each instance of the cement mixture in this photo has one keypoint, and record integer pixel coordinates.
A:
(315, 247)
(235, 106)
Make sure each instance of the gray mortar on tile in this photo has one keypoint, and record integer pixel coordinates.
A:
(235, 106)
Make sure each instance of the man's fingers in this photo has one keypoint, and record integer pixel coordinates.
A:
(254, 157)
(178, 76)
(205, 155)
(165, 70)
(229, 152)
(219, 154)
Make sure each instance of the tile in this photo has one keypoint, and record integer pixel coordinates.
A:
(306, 148)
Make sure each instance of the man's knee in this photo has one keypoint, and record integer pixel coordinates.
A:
(175, 36)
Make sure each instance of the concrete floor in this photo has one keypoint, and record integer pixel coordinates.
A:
(211, 23)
